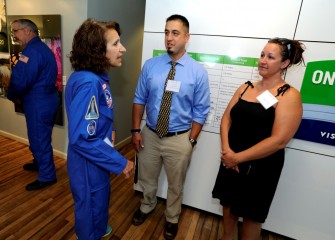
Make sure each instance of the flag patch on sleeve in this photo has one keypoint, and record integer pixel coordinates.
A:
(24, 58)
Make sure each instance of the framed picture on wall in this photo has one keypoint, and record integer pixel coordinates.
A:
(50, 33)
(4, 51)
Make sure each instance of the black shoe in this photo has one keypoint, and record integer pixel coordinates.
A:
(171, 230)
(36, 185)
(31, 167)
(139, 217)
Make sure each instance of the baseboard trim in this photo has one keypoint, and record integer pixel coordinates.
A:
(55, 151)
(123, 143)
(14, 137)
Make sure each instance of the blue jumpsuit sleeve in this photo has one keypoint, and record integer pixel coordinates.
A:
(23, 74)
(87, 139)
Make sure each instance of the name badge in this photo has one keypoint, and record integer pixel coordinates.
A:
(173, 86)
(267, 99)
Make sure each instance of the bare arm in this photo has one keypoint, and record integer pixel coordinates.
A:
(225, 126)
(195, 130)
(226, 120)
(138, 110)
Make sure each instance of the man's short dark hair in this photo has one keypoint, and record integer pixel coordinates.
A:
(180, 18)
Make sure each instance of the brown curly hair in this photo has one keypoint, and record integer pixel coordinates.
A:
(291, 49)
(89, 46)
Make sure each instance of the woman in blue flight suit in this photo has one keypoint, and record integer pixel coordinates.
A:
(91, 156)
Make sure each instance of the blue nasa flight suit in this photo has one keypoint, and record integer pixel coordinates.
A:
(33, 81)
(91, 156)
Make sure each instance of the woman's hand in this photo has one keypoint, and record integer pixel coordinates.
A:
(129, 170)
(229, 159)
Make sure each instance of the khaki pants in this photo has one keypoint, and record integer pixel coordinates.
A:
(175, 154)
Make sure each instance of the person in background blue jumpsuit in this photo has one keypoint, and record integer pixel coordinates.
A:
(91, 156)
(32, 83)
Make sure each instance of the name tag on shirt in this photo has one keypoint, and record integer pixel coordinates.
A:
(267, 99)
(173, 86)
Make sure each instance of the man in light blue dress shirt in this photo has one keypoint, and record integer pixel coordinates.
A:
(189, 109)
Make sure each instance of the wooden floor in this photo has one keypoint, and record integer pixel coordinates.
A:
(48, 213)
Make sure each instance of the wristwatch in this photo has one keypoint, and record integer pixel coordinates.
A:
(193, 141)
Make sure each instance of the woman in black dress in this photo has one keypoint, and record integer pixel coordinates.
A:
(259, 121)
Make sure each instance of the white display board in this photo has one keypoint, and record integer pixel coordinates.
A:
(305, 196)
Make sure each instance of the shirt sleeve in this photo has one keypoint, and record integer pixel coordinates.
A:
(85, 137)
(201, 98)
(141, 92)
(23, 74)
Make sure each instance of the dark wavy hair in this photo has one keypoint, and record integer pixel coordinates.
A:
(89, 46)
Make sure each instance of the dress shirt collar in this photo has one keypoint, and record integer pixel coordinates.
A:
(181, 61)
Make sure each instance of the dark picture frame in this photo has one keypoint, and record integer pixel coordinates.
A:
(4, 50)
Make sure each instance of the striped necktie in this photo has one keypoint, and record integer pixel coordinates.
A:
(162, 126)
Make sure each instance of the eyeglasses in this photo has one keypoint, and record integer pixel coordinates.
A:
(15, 30)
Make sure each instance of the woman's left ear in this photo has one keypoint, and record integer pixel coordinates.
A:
(285, 64)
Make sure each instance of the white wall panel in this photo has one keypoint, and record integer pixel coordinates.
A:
(316, 21)
(305, 195)
(257, 18)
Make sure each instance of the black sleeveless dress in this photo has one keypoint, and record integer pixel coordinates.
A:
(250, 192)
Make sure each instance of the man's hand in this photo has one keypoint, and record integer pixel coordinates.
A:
(137, 142)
